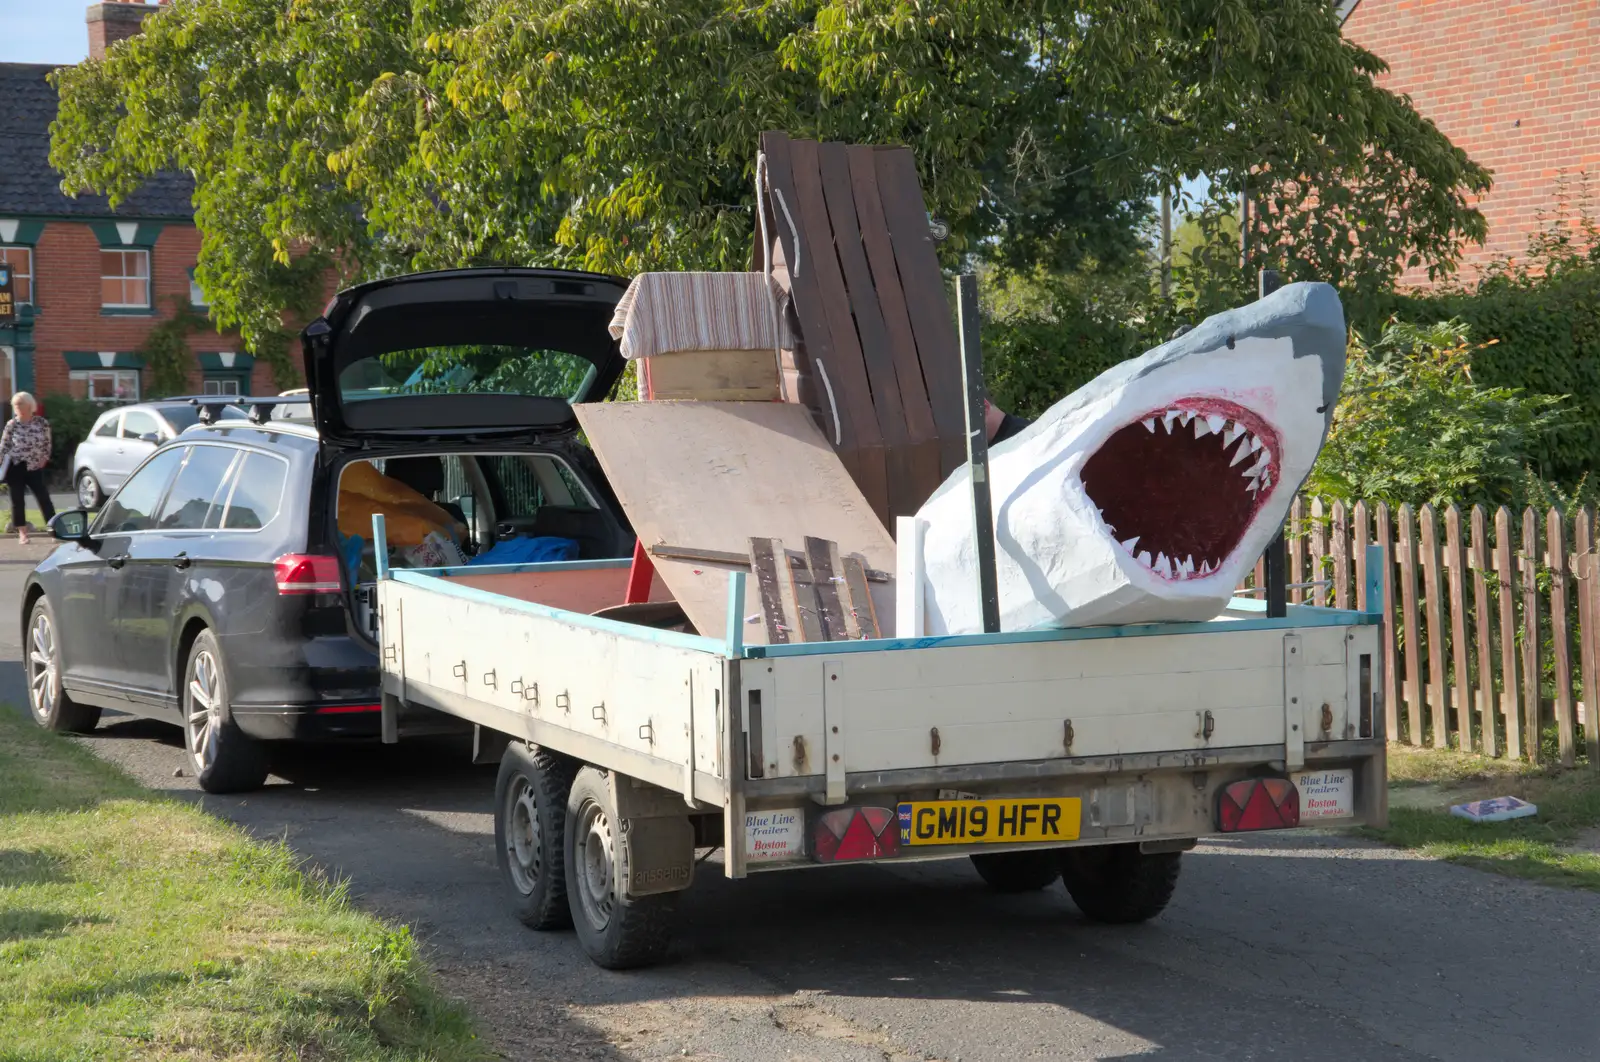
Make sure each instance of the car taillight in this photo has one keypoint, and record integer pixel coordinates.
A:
(303, 573)
(348, 709)
(1258, 804)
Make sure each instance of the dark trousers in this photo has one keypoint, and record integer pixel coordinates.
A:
(22, 479)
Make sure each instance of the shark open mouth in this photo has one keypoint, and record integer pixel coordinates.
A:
(1179, 487)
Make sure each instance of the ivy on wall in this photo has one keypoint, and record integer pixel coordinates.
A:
(166, 350)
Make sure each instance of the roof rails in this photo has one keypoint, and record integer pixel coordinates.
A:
(260, 409)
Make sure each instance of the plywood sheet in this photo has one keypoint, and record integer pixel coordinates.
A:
(714, 475)
(586, 590)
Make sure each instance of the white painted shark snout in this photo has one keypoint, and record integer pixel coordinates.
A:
(1145, 494)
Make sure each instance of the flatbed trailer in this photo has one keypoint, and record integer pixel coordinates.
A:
(1094, 754)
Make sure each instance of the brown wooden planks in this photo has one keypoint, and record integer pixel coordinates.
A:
(866, 615)
(1455, 561)
(1391, 670)
(922, 437)
(1487, 711)
(839, 425)
(819, 558)
(1341, 556)
(872, 333)
(1297, 551)
(1530, 634)
(1413, 641)
(843, 369)
(1433, 586)
(923, 284)
(764, 555)
(1588, 619)
(1361, 533)
(1506, 580)
(1556, 544)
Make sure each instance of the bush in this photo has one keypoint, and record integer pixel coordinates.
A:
(1538, 323)
(70, 421)
(1413, 425)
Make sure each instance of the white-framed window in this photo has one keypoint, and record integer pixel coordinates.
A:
(125, 279)
(222, 385)
(197, 296)
(105, 385)
(20, 259)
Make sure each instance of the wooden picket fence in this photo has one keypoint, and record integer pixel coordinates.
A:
(1484, 624)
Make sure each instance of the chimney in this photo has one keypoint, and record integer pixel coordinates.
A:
(113, 21)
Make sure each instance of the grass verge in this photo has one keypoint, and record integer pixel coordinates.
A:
(1560, 846)
(35, 521)
(137, 927)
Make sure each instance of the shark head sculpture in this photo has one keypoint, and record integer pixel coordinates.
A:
(1144, 495)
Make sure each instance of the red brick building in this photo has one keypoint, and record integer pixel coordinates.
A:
(90, 283)
(1515, 85)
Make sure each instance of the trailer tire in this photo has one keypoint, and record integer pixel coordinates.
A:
(1018, 871)
(530, 813)
(617, 932)
(1119, 884)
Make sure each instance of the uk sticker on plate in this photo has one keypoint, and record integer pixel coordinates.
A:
(1326, 794)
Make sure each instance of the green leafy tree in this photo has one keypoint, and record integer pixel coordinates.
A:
(1412, 425)
(368, 137)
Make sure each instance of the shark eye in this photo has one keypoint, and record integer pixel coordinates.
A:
(1178, 489)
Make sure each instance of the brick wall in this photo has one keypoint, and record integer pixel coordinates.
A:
(1515, 85)
(67, 294)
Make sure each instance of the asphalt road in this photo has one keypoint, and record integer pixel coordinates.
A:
(1293, 946)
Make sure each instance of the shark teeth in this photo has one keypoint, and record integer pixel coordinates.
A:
(1149, 424)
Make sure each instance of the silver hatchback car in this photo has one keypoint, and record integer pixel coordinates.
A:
(124, 436)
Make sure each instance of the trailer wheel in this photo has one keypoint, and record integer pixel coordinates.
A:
(1119, 884)
(1018, 871)
(618, 933)
(530, 833)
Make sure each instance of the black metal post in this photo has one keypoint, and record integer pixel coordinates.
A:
(1277, 555)
(978, 449)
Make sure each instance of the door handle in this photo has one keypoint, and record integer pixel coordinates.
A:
(181, 561)
(118, 561)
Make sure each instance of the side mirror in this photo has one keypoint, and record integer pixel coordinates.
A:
(150, 437)
(71, 525)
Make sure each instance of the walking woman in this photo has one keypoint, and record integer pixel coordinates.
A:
(25, 451)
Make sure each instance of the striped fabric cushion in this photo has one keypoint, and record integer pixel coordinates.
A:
(665, 312)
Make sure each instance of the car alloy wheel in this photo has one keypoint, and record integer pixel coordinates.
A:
(88, 490)
(43, 675)
(203, 718)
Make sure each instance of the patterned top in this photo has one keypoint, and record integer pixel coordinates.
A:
(28, 442)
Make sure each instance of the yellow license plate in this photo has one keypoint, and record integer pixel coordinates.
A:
(1003, 821)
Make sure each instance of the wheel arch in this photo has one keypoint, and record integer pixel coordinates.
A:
(188, 630)
(31, 593)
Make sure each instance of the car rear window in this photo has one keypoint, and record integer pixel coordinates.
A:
(198, 488)
(467, 369)
(257, 493)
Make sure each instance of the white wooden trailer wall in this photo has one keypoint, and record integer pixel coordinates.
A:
(647, 703)
(876, 711)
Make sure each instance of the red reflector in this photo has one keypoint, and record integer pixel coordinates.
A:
(848, 834)
(1258, 804)
(348, 709)
(302, 573)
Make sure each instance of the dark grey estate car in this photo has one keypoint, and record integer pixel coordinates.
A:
(224, 587)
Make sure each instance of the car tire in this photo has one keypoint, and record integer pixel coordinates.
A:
(90, 494)
(223, 758)
(47, 700)
(1119, 884)
(617, 933)
(1018, 871)
(530, 829)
